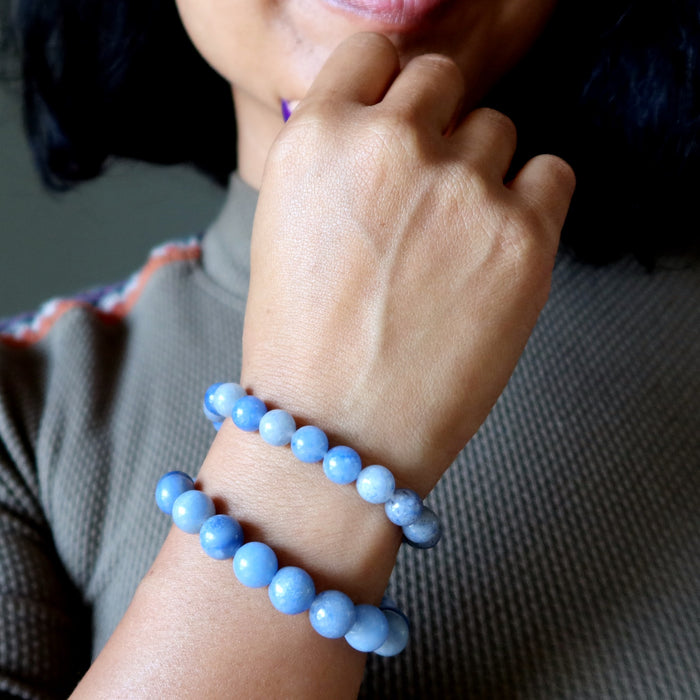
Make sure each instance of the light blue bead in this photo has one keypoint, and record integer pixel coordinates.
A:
(255, 564)
(191, 509)
(277, 427)
(424, 532)
(225, 398)
(210, 415)
(209, 411)
(342, 464)
(376, 484)
(370, 629)
(217, 426)
(332, 614)
(247, 413)
(292, 590)
(309, 444)
(170, 486)
(390, 604)
(221, 536)
(397, 639)
(404, 507)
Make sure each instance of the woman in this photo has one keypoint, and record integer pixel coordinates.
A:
(397, 269)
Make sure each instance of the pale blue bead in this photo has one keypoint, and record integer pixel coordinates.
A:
(291, 590)
(209, 411)
(376, 484)
(247, 413)
(342, 464)
(170, 486)
(210, 415)
(397, 639)
(332, 614)
(277, 427)
(191, 509)
(370, 629)
(404, 507)
(225, 398)
(217, 426)
(221, 536)
(424, 532)
(255, 564)
(309, 444)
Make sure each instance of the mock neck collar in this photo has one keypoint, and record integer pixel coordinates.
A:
(226, 243)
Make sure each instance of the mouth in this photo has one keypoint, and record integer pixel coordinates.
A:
(395, 14)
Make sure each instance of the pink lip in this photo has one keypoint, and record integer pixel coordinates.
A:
(400, 13)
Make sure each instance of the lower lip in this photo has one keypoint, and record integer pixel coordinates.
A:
(397, 13)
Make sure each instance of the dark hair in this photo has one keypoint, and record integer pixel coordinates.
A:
(611, 87)
(118, 78)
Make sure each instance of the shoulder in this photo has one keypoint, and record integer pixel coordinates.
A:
(107, 303)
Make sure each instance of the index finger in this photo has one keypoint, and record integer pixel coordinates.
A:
(360, 69)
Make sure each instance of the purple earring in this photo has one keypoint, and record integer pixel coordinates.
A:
(286, 111)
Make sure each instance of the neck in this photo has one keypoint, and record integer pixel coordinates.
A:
(257, 126)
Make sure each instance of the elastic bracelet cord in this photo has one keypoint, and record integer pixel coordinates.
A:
(342, 465)
(383, 630)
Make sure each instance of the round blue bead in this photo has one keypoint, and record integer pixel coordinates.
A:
(210, 415)
(225, 398)
(424, 532)
(390, 604)
(404, 507)
(397, 639)
(332, 614)
(291, 590)
(309, 444)
(209, 411)
(370, 629)
(342, 464)
(277, 427)
(376, 484)
(247, 412)
(217, 426)
(191, 509)
(255, 564)
(170, 486)
(221, 536)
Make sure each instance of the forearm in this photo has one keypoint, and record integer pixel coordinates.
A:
(193, 629)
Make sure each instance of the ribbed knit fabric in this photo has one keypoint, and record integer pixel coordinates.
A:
(570, 566)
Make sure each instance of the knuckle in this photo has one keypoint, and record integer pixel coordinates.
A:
(562, 171)
(395, 130)
(442, 66)
(496, 120)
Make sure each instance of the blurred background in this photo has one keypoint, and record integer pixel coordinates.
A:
(56, 244)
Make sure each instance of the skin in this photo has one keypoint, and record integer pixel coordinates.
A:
(273, 49)
(395, 279)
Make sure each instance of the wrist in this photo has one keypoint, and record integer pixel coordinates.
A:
(322, 527)
(361, 414)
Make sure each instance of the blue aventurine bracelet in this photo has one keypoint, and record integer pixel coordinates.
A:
(383, 629)
(342, 465)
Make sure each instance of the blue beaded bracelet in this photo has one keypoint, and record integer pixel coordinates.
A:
(291, 590)
(342, 465)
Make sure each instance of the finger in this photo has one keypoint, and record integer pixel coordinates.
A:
(489, 139)
(430, 88)
(360, 69)
(548, 183)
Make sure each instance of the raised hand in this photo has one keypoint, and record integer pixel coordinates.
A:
(395, 276)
